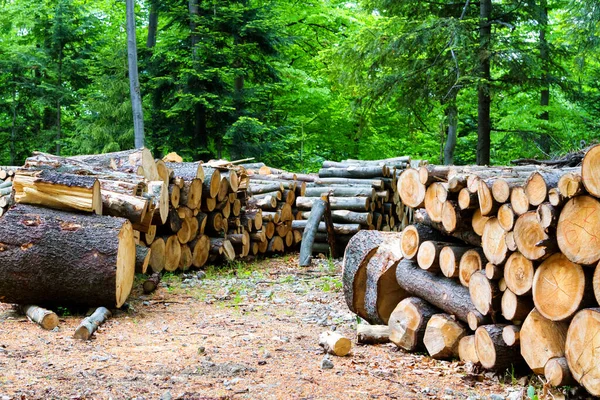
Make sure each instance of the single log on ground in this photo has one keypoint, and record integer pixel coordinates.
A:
(561, 287)
(382, 292)
(142, 259)
(372, 334)
(492, 351)
(515, 308)
(557, 372)
(449, 259)
(471, 261)
(359, 251)
(518, 274)
(410, 188)
(590, 171)
(151, 284)
(441, 292)
(334, 343)
(578, 229)
(90, 324)
(310, 230)
(58, 190)
(541, 340)
(56, 257)
(47, 319)
(581, 348)
(336, 203)
(485, 294)
(511, 335)
(442, 335)
(531, 239)
(494, 242)
(466, 349)
(408, 321)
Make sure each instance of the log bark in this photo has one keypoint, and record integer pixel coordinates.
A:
(531, 238)
(443, 293)
(580, 349)
(518, 274)
(90, 324)
(492, 351)
(347, 217)
(561, 287)
(126, 206)
(375, 183)
(46, 319)
(372, 334)
(336, 203)
(55, 257)
(414, 235)
(408, 321)
(578, 230)
(360, 249)
(541, 340)
(157, 255)
(353, 172)
(515, 308)
(435, 197)
(58, 190)
(136, 161)
(442, 335)
(511, 335)
(142, 259)
(557, 372)
(335, 344)
(340, 191)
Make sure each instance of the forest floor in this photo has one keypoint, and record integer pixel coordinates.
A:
(245, 331)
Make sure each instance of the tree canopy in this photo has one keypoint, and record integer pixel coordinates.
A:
(295, 82)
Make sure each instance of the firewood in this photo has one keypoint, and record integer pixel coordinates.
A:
(555, 198)
(561, 287)
(531, 238)
(411, 190)
(435, 197)
(191, 193)
(547, 215)
(372, 334)
(506, 217)
(467, 200)
(494, 243)
(518, 274)
(136, 161)
(485, 294)
(185, 260)
(466, 349)
(589, 171)
(172, 253)
(52, 257)
(46, 319)
(580, 349)
(487, 204)
(538, 184)
(557, 372)
(414, 235)
(200, 250)
(494, 272)
(442, 335)
(467, 236)
(347, 217)
(157, 255)
(492, 351)
(578, 229)
(449, 259)
(90, 324)
(478, 222)
(511, 335)
(334, 343)
(428, 255)
(471, 261)
(408, 321)
(519, 201)
(211, 182)
(541, 340)
(511, 245)
(454, 219)
(475, 319)
(151, 284)
(515, 308)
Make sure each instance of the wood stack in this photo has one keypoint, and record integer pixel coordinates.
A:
(362, 196)
(500, 268)
(6, 177)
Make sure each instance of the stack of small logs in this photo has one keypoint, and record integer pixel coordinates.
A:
(500, 268)
(362, 195)
(6, 177)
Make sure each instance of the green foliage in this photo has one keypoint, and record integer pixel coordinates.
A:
(294, 83)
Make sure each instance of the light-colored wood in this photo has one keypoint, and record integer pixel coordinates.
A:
(578, 229)
(581, 347)
(511, 245)
(511, 335)
(428, 255)
(90, 324)
(442, 335)
(414, 235)
(475, 319)
(435, 197)
(506, 217)
(493, 271)
(531, 238)
(485, 294)
(557, 372)
(590, 171)
(411, 190)
(560, 288)
(467, 200)
(172, 253)
(372, 334)
(494, 243)
(518, 274)
(408, 321)
(492, 351)
(46, 319)
(515, 308)
(471, 261)
(541, 340)
(487, 204)
(519, 201)
(449, 259)
(334, 343)
(466, 349)
(538, 184)
(478, 222)
(547, 215)
(570, 185)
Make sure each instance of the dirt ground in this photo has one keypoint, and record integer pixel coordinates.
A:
(245, 331)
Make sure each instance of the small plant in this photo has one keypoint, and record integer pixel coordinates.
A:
(531, 393)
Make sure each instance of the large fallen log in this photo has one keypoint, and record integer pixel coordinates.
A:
(55, 257)
(136, 161)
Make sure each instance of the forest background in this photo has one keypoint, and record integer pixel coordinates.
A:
(293, 83)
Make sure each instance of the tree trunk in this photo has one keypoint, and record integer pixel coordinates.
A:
(483, 90)
(54, 257)
(134, 82)
(452, 115)
(408, 322)
(544, 139)
(152, 24)
(337, 203)
(541, 340)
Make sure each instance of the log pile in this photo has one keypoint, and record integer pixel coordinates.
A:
(6, 177)
(500, 268)
(362, 195)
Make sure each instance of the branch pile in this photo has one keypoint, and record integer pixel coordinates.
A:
(500, 268)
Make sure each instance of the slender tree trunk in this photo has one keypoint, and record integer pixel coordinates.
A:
(58, 111)
(483, 91)
(13, 133)
(200, 134)
(544, 141)
(152, 24)
(134, 83)
(452, 115)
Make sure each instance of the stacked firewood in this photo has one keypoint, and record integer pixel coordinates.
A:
(6, 177)
(362, 195)
(499, 269)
